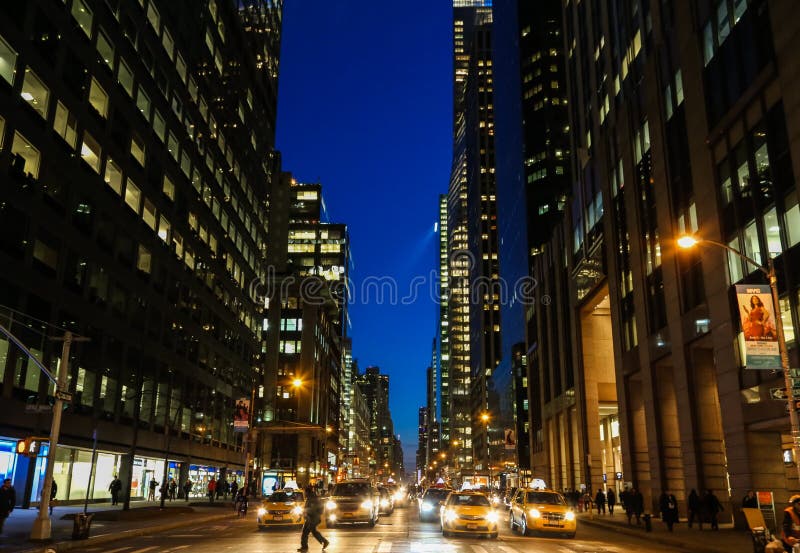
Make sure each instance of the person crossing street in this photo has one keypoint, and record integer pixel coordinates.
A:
(313, 516)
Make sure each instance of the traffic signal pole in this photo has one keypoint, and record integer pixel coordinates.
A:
(41, 526)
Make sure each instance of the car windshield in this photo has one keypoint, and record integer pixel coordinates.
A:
(436, 495)
(472, 500)
(350, 489)
(544, 498)
(284, 497)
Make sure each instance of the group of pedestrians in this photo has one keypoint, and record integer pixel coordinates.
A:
(705, 508)
(603, 498)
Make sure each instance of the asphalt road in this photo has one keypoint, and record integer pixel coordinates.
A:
(400, 532)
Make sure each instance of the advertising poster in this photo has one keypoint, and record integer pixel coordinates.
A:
(758, 326)
(241, 416)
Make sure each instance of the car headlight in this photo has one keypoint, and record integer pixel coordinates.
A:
(398, 496)
(492, 516)
(450, 515)
(569, 516)
(427, 507)
(384, 502)
(261, 511)
(368, 504)
(330, 505)
(535, 513)
(297, 511)
(332, 517)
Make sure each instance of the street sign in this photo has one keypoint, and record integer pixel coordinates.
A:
(36, 408)
(63, 396)
(778, 393)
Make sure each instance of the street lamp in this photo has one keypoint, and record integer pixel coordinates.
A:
(296, 383)
(687, 242)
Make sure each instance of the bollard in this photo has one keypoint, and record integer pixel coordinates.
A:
(648, 525)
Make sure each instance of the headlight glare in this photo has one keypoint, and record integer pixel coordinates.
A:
(261, 511)
(297, 511)
(569, 516)
(535, 513)
(450, 515)
(330, 505)
(492, 516)
(384, 502)
(427, 507)
(368, 504)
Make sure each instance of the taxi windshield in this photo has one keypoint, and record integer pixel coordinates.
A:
(284, 497)
(544, 498)
(471, 500)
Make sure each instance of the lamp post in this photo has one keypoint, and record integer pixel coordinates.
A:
(687, 242)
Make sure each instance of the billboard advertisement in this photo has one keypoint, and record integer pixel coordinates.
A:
(241, 415)
(757, 314)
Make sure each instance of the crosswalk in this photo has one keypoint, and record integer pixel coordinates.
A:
(384, 546)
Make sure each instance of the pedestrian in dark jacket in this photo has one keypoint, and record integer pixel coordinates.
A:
(53, 492)
(750, 501)
(711, 507)
(695, 505)
(8, 499)
(114, 488)
(668, 505)
(634, 505)
(600, 501)
(313, 516)
(611, 499)
(187, 489)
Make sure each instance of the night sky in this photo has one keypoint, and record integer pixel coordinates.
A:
(365, 108)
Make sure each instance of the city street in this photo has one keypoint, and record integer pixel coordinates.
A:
(399, 533)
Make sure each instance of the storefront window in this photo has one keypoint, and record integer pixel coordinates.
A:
(8, 458)
(61, 471)
(107, 467)
(80, 483)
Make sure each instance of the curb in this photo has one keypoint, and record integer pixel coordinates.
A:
(642, 534)
(132, 533)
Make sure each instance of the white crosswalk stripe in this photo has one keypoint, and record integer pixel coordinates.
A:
(479, 549)
(508, 549)
(385, 547)
(143, 549)
(176, 548)
(118, 549)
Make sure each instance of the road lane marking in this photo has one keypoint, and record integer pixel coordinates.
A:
(143, 549)
(118, 549)
(478, 549)
(385, 547)
(508, 549)
(177, 548)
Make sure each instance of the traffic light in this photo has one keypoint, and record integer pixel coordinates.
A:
(29, 447)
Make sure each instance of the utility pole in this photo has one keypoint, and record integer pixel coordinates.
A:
(41, 526)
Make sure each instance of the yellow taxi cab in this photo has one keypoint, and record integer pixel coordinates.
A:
(469, 513)
(541, 510)
(281, 508)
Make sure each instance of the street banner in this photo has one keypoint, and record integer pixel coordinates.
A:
(758, 326)
(510, 439)
(241, 416)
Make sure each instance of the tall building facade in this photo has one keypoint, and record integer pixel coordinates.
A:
(136, 162)
(680, 122)
(443, 333)
(473, 271)
(375, 387)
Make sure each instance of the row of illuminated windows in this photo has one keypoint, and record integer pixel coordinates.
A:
(717, 29)
(290, 346)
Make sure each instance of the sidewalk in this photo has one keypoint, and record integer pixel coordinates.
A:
(110, 523)
(725, 540)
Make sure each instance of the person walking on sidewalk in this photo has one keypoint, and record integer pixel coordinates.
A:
(212, 489)
(634, 505)
(114, 488)
(694, 505)
(53, 492)
(600, 501)
(8, 500)
(712, 507)
(313, 516)
(187, 488)
(611, 499)
(668, 505)
(151, 495)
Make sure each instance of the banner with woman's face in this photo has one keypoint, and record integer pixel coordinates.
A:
(758, 320)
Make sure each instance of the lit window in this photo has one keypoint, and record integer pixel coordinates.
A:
(149, 214)
(172, 145)
(125, 77)
(143, 102)
(65, 125)
(21, 147)
(133, 196)
(83, 15)
(168, 188)
(144, 260)
(792, 217)
(35, 93)
(167, 42)
(45, 254)
(113, 176)
(105, 49)
(8, 61)
(180, 65)
(153, 17)
(98, 98)
(91, 151)
(2, 131)
(773, 233)
(163, 229)
(138, 149)
(159, 126)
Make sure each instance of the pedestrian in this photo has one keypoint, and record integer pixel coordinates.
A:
(611, 499)
(8, 500)
(151, 495)
(623, 498)
(240, 496)
(212, 489)
(587, 501)
(173, 489)
(234, 489)
(694, 505)
(750, 500)
(313, 516)
(53, 492)
(187, 488)
(114, 488)
(668, 505)
(634, 505)
(791, 524)
(600, 501)
(712, 507)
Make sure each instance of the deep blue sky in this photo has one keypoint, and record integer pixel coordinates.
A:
(365, 108)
